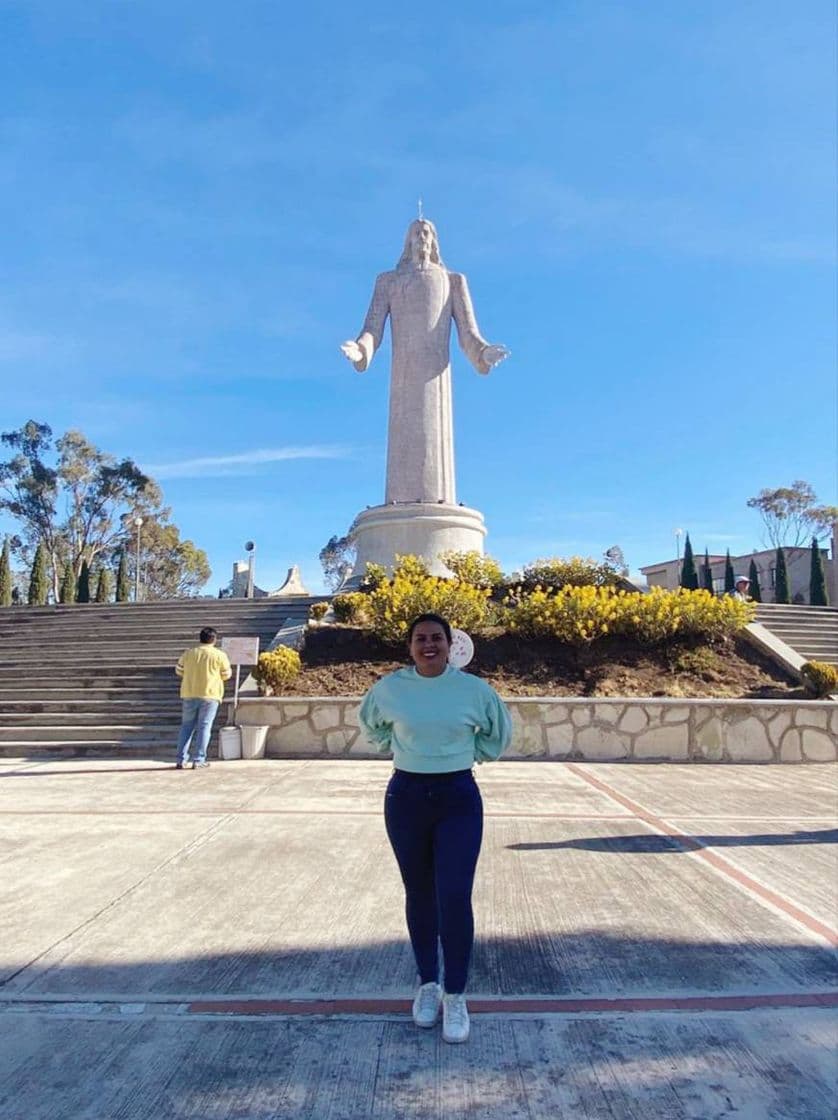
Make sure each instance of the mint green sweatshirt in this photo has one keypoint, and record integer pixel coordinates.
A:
(434, 725)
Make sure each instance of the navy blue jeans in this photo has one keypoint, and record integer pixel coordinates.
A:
(435, 825)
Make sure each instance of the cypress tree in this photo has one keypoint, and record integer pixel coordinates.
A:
(707, 573)
(67, 594)
(689, 576)
(5, 576)
(781, 585)
(753, 575)
(730, 586)
(103, 587)
(83, 585)
(123, 588)
(817, 578)
(39, 579)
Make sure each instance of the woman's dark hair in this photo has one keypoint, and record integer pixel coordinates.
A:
(429, 618)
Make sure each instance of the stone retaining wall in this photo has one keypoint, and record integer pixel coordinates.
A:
(605, 730)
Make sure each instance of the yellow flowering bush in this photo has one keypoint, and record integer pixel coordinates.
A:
(394, 604)
(704, 616)
(350, 606)
(820, 677)
(276, 668)
(317, 611)
(576, 615)
(474, 569)
(580, 615)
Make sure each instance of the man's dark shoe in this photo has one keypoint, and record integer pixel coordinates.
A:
(178, 766)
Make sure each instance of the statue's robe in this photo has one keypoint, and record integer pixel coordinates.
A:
(421, 303)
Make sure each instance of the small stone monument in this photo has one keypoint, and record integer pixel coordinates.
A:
(293, 585)
(420, 515)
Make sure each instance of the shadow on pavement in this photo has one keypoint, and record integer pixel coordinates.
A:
(774, 1064)
(645, 843)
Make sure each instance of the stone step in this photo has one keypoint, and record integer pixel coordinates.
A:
(185, 631)
(71, 681)
(145, 732)
(144, 659)
(809, 641)
(119, 700)
(91, 692)
(794, 608)
(99, 680)
(137, 625)
(79, 748)
(38, 716)
(166, 606)
(809, 616)
(128, 641)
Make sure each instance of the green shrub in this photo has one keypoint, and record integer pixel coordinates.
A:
(555, 573)
(39, 579)
(317, 611)
(351, 606)
(67, 592)
(5, 576)
(276, 668)
(820, 677)
(374, 576)
(83, 584)
(103, 587)
(701, 662)
(123, 586)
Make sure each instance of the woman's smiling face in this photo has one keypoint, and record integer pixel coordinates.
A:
(429, 648)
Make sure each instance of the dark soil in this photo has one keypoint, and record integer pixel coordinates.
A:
(345, 661)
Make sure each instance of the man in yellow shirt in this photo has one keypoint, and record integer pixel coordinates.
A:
(202, 671)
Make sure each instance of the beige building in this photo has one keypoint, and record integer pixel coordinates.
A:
(798, 562)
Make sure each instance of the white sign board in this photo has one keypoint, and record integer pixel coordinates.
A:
(241, 651)
(461, 650)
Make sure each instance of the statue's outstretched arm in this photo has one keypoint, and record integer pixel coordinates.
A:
(361, 350)
(482, 354)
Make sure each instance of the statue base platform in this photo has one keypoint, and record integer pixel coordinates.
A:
(421, 529)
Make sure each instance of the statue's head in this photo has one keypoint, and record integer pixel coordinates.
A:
(421, 245)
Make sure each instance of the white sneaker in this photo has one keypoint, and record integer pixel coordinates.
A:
(426, 1005)
(455, 1025)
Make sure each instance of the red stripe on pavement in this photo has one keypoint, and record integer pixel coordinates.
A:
(698, 849)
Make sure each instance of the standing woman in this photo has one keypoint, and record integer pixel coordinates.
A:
(437, 721)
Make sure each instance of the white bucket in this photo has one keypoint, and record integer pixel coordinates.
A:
(253, 741)
(229, 743)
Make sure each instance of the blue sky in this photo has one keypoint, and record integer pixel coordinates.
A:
(196, 199)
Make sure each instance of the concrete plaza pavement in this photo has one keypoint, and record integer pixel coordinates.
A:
(652, 941)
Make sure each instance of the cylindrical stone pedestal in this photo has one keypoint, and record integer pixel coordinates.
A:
(413, 529)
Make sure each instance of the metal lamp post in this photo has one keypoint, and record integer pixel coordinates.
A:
(250, 549)
(138, 521)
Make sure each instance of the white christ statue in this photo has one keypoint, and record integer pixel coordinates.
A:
(421, 297)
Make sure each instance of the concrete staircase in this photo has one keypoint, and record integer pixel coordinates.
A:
(810, 631)
(98, 679)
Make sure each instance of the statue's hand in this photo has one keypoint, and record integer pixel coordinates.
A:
(494, 354)
(352, 351)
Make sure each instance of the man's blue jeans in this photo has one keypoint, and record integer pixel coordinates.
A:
(196, 725)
